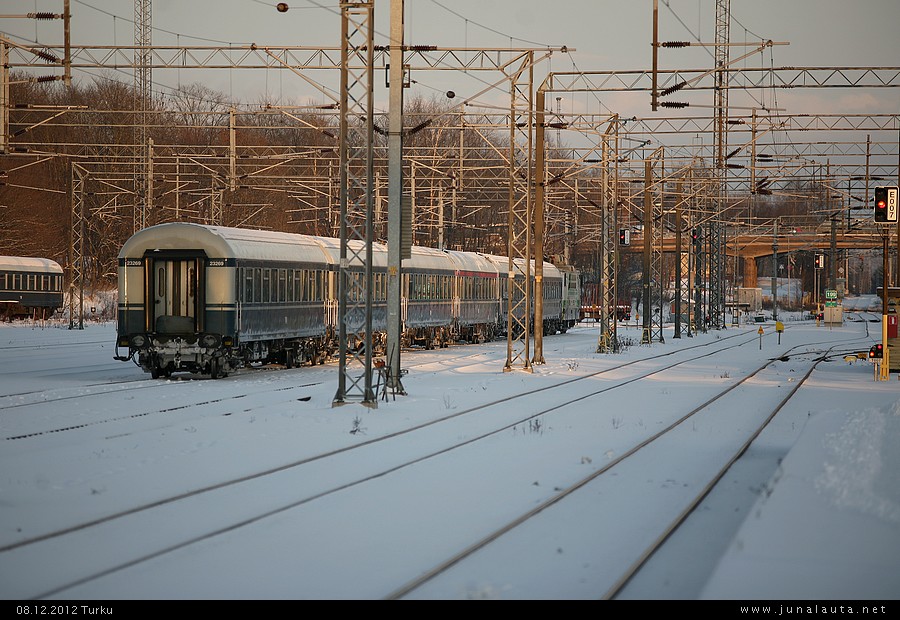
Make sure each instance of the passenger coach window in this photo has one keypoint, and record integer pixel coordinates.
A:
(161, 282)
(420, 286)
(248, 284)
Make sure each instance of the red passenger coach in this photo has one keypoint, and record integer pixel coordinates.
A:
(592, 303)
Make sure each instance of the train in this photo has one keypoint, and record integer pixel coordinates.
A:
(212, 299)
(30, 288)
(591, 304)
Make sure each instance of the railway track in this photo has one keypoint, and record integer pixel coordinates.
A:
(192, 404)
(311, 479)
(499, 556)
(27, 402)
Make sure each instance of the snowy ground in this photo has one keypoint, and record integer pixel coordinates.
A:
(825, 524)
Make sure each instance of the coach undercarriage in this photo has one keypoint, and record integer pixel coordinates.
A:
(204, 353)
(167, 355)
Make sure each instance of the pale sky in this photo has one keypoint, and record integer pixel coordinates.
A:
(605, 35)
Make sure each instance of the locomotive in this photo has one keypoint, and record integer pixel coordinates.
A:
(29, 287)
(211, 299)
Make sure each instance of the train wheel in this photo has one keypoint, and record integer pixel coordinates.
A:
(215, 369)
(288, 358)
(156, 372)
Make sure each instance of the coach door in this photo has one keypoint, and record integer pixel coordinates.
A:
(174, 290)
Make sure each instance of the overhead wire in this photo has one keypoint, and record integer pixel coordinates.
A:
(488, 28)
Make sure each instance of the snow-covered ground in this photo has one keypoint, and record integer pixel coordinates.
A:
(825, 525)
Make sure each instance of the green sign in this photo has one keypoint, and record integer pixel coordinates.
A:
(830, 293)
(831, 304)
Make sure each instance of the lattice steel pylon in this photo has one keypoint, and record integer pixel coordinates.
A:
(143, 41)
(78, 177)
(717, 226)
(607, 341)
(4, 97)
(652, 322)
(540, 185)
(354, 312)
(700, 198)
(519, 294)
(683, 246)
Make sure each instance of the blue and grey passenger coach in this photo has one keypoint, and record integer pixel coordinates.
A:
(210, 299)
(29, 287)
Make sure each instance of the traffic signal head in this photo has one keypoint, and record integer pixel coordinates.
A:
(881, 204)
(624, 236)
(695, 235)
(820, 261)
(876, 352)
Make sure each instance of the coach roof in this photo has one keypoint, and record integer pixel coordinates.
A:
(35, 265)
(225, 242)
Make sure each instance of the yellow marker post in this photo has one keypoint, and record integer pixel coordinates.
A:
(779, 327)
(760, 332)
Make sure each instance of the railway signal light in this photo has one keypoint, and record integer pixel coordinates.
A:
(624, 236)
(881, 204)
(696, 235)
(876, 352)
(820, 261)
(886, 207)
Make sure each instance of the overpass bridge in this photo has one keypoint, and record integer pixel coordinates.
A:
(751, 246)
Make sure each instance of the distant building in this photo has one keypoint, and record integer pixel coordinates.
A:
(788, 290)
(752, 297)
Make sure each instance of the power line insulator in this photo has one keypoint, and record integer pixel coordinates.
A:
(672, 89)
(45, 55)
